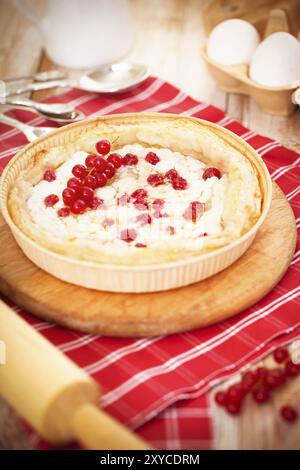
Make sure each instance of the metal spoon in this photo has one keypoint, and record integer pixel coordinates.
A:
(39, 76)
(55, 111)
(31, 132)
(110, 78)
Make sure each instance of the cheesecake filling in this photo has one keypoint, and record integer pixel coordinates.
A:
(164, 217)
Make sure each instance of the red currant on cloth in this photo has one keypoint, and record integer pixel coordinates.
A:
(103, 147)
(235, 393)
(249, 380)
(115, 159)
(128, 235)
(49, 175)
(233, 408)
(281, 354)
(64, 212)
(130, 159)
(210, 172)
(261, 394)
(291, 369)
(78, 207)
(289, 413)
(220, 398)
(51, 200)
(79, 171)
(274, 378)
(152, 158)
(155, 179)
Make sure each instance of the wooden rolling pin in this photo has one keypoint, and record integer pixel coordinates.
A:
(54, 395)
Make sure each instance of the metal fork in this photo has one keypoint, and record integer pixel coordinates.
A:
(31, 132)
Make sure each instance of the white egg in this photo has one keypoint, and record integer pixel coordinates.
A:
(232, 42)
(276, 61)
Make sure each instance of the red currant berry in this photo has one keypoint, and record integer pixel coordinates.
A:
(79, 171)
(109, 170)
(152, 158)
(140, 245)
(90, 160)
(115, 159)
(274, 378)
(141, 205)
(103, 147)
(64, 212)
(261, 373)
(96, 203)
(130, 159)
(289, 414)
(194, 211)
(139, 194)
(249, 380)
(123, 200)
(100, 179)
(49, 175)
(235, 393)
(155, 179)
(144, 219)
(78, 207)
(233, 408)
(179, 183)
(100, 163)
(128, 235)
(280, 355)
(261, 394)
(51, 200)
(291, 369)
(159, 202)
(210, 172)
(74, 183)
(220, 398)
(90, 181)
(171, 175)
(69, 196)
(87, 194)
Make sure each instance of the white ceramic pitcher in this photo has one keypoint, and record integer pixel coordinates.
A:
(83, 33)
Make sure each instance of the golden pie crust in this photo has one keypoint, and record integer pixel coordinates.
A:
(242, 204)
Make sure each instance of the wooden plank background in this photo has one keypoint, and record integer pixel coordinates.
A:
(168, 36)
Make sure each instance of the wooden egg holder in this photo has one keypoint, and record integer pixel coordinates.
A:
(235, 78)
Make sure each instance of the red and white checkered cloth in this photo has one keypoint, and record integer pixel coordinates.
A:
(158, 386)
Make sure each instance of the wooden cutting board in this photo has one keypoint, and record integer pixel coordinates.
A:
(212, 300)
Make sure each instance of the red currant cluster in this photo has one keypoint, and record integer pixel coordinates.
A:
(178, 182)
(79, 195)
(260, 383)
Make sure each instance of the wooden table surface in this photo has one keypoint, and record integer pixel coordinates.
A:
(169, 33)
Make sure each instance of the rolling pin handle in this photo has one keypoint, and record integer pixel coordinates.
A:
(96, 430)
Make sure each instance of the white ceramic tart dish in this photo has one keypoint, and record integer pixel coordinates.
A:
(181, 200)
